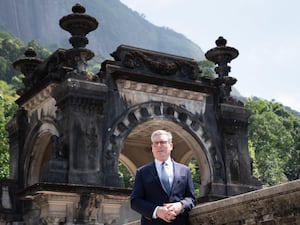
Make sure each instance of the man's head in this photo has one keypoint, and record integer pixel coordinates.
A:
(161, 144)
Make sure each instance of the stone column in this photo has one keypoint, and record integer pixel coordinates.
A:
(233, 123)
(80, 99)
(80, 105)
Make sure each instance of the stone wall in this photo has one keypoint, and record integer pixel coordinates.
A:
(278, 205)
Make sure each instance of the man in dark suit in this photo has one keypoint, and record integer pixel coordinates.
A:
(163, 190)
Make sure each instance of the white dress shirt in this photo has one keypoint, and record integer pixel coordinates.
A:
(170, 173)
(168, 167)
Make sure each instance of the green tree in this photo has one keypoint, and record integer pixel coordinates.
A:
(292, 168)
(125, 176)
(271, 134)
(255, 169)
(194, 167)
(7, 109)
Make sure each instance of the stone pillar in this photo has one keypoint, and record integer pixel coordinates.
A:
(80, 105)
(80, 101)
(233, 123)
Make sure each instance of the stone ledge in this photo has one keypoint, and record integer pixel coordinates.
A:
(275, 191)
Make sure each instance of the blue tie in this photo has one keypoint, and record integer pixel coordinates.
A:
(164, 178)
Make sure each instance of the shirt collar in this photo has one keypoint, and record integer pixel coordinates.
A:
(168, 162)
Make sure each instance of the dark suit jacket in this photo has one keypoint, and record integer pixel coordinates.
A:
(148, 193)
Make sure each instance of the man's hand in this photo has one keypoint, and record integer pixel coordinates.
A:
(176, 207)
(166, 213)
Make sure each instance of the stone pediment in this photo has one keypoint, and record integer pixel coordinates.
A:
(157, 68)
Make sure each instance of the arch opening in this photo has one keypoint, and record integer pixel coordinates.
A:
(136, 149)
(41, 152)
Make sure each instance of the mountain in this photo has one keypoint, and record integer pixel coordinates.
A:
(39, 20)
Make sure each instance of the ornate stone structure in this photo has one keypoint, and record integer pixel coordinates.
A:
(73, 128)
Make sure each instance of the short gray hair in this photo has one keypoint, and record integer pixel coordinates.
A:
(162, 132)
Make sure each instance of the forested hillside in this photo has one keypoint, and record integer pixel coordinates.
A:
(39, 20)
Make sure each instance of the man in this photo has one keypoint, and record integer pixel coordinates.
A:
(163, 190)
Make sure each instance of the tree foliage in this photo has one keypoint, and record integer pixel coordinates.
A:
(7, 109)
(10, 50)
(196, 175)
(125, 176)
(274, 136)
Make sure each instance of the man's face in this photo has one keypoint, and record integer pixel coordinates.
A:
(161, 148)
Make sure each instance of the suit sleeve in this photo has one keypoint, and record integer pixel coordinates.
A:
(189, 197)
(137, 201)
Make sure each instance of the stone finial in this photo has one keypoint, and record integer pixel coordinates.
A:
(221, 56)
(26, 66)
(78, 24)
(221, 42)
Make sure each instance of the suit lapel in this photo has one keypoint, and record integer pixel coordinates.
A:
(176, 172)
(154, 173)
(156, 177)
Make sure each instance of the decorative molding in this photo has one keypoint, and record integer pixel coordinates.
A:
(157, 63)
(35, 103)
(128, 85)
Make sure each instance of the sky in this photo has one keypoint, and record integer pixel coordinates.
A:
(265, 32)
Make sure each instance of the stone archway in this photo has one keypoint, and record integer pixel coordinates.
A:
(137, 147)
(130, 137)
(39, 143)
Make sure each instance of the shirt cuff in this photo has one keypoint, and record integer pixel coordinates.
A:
(154, 216)
(182, 210)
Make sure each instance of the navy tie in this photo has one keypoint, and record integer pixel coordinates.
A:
(164, 178)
